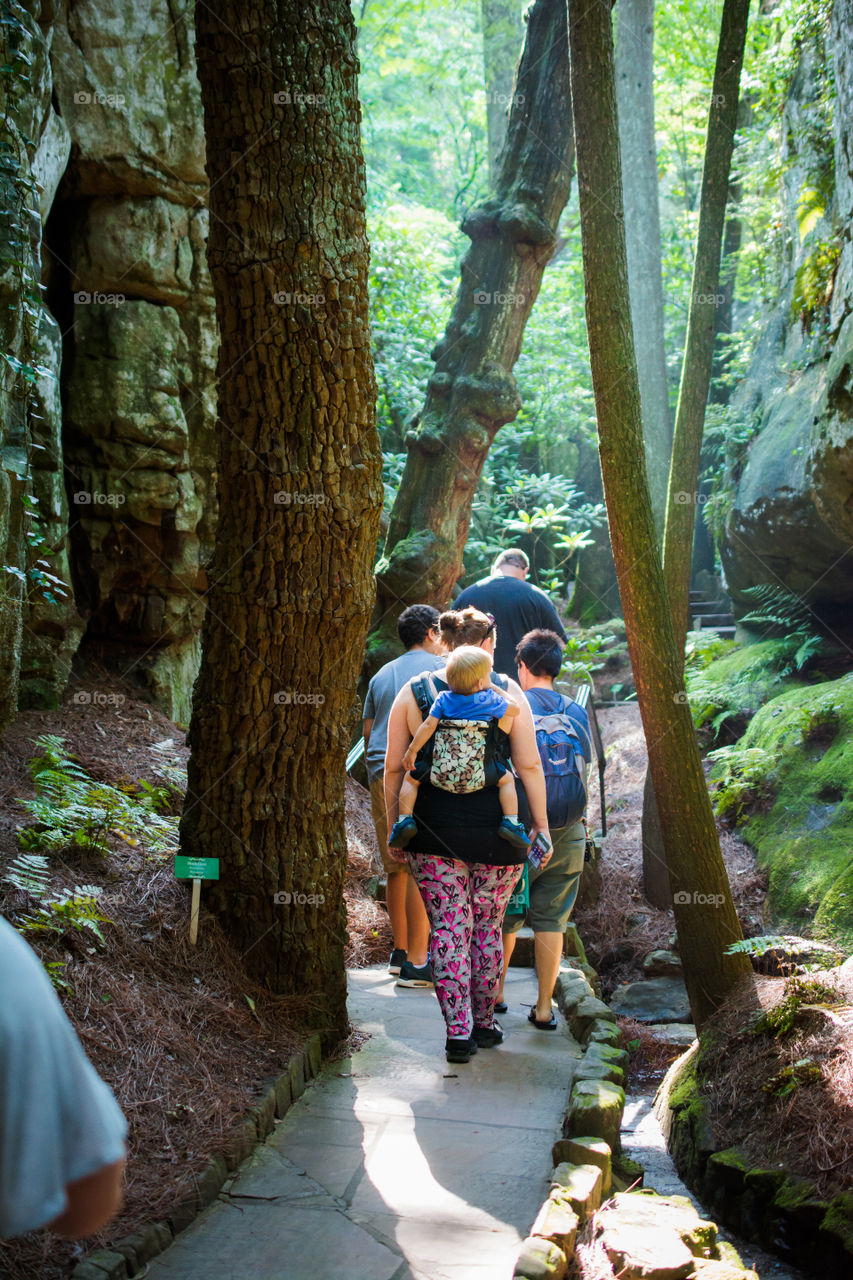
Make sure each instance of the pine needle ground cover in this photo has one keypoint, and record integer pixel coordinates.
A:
(181, 1035)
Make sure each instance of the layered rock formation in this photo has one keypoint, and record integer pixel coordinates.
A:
(791, 522)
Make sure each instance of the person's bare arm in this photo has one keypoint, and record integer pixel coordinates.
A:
(92, 1202)
(525, 758)
(421, 738)
(403, 724)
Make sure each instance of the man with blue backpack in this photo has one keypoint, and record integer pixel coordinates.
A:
(563, 738)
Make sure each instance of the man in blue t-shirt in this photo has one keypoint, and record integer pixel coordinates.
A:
(417, 628)
(554, 887)
(516, 606)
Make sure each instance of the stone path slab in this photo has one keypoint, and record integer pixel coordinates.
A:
(394, 1164)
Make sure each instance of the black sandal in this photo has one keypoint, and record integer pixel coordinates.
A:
(539, 1024)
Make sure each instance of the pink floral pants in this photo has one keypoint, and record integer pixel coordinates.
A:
(465, 905)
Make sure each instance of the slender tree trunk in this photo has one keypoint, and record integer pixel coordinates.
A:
(705, 298)
(472, 392)
(502, 39)
(704, 912)
(299, 488)
(636, 103)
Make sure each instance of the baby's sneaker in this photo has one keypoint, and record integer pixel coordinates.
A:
(513, 831)
(402, 832)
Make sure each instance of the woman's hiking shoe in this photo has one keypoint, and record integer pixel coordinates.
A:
(398, 959)
(402, 832)
(488, 1037)
(414, 976)
(458, 1049)
(510, 829)
(501, 1006)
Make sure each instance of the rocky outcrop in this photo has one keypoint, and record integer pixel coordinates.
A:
(141, 347)
(791, 521)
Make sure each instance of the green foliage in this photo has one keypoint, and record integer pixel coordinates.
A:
(704, 647)
(72, 912)
(740, 778)
(821, 955)
(72, 810)
(583, 654)
(734, 686)
(782, 611)
(803, 1071)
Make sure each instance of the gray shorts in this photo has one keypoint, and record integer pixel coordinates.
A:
(553, 889)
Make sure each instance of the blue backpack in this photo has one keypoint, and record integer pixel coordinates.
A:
(558, 738)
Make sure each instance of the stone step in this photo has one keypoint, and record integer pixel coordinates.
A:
(700, 607)
(710, 620)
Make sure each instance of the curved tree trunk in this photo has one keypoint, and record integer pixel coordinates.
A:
(705, 298)
(299, 488)
(472, 392)
(704, 912)
(636, 102)
(502, 39)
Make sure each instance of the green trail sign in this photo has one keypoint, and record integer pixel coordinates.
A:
(196, 868)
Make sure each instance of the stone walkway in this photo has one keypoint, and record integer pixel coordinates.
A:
(395, 1165)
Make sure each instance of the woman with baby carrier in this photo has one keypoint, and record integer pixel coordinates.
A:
(463, 844)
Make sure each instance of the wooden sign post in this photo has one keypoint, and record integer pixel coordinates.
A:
(195, 869)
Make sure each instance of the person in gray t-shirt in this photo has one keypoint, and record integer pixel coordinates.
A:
(417, 628)
(62, 1135)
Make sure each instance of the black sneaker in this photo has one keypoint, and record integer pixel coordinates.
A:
(398, 959)
(459, 1049)
(488, 1037)
(412, 976)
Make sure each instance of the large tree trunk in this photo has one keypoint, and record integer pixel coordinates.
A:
(704, 912)
(299, 489)
(705, 297)
(472, 392)
(636, 104)
(502, 39)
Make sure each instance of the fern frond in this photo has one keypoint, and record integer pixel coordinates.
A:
(29, 873)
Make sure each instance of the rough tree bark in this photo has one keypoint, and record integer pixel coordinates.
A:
(472, 392)
(502, 39)
(636, 103)
(705, 916)
(299, 487)
(705, 297)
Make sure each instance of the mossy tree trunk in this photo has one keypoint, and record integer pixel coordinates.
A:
(472, 392)
(299, 487)
(502, 40)
(636, 106)
(704, 912)
(705, 298)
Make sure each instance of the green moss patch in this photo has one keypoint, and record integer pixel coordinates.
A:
(734, 687)
(805, 839)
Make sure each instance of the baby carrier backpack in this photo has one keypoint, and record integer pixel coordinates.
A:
(462, 755)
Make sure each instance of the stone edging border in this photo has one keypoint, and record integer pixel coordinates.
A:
(128, 1256)
(584, 1157)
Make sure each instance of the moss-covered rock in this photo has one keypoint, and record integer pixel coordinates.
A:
(805, 839)
(734, 687)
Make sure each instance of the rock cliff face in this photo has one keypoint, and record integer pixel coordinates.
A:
(110, 425)
(791, 522)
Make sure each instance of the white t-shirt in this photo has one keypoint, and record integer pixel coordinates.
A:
(58, 1120)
